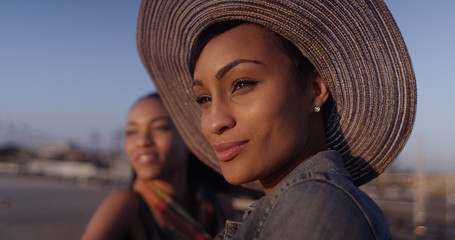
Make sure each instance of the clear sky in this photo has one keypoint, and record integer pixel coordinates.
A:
(69, 70)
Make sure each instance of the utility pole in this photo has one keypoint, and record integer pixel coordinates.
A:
(419, 216)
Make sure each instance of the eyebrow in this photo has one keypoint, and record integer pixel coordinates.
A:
(220, 74)
(132, 123)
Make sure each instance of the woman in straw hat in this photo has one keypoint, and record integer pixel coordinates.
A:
(306, 100)
(172, 195)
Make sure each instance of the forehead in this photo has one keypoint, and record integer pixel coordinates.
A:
(246, 41)
(148, 107)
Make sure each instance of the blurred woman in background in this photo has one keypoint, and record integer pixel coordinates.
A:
(169, 197)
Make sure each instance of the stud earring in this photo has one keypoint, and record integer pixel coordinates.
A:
(317, 109)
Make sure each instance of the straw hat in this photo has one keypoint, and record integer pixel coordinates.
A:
(355, 45)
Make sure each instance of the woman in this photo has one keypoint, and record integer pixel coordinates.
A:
(168, 198)
(306, 100)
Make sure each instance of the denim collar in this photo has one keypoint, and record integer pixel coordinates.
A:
(328, 161)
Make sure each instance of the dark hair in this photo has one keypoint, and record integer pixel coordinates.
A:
(153, 95)
(150, 95)
(207, 35)
(302, 68)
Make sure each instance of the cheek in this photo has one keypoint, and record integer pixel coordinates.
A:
(275, 119)
(205, 126)
(163, 144)
(260, 115)
(128, 146)
(171, 145)
(129, 150)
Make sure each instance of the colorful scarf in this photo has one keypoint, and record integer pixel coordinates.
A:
(174, 221)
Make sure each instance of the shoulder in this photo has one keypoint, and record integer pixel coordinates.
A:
(305, 193)
(116, 216)
(123, 199)
(311, 193)
(321, 208)
(121, 203)
(121, 206)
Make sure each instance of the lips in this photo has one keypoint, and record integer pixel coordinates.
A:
(226, 151)
(146, 158)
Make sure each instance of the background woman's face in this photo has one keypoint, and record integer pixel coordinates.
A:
(153, 145)
(253, 112)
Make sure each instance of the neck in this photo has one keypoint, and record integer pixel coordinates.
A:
(177, 187)
(315, 143)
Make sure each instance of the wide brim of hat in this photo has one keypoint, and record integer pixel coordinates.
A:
(355, 46)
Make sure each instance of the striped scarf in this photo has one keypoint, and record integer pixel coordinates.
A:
(174, 221)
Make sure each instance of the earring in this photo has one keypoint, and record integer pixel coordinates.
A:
(317, 109)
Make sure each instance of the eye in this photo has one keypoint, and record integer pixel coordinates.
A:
(162, 127)
(243, 83)
(203, 100)
(130, 132)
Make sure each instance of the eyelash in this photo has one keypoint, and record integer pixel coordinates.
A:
(237, 85)
(203, 99)
(130, 132)
(242, 83)
(164, 127)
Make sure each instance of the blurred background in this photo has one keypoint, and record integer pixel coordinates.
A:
(69, 71)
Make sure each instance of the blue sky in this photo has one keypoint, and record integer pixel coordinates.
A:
(70, 70)
(429, 32)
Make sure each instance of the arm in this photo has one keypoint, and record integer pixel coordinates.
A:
(116, 218)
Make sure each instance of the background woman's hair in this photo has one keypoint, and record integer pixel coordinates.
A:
(149, 95)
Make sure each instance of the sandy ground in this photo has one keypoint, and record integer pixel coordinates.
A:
(39, 208)
(44, 208)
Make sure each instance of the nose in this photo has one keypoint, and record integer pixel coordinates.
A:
(219, 118)
(145, 139)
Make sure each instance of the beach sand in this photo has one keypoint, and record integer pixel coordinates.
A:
(43, 208)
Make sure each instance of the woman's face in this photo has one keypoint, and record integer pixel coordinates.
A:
(153, 145)
(253, 112)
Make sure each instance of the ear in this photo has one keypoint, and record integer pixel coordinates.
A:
(318, 91)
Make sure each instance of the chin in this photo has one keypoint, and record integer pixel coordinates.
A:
(235, 178)
(146, 175)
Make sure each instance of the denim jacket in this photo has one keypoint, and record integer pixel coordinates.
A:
(317, 200)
